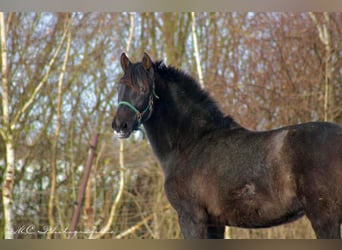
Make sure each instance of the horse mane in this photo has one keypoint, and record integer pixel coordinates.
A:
(189, 86)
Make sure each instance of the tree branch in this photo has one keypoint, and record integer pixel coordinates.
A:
(41, 83)
(324, 36)
(4, 83)
(141, 223)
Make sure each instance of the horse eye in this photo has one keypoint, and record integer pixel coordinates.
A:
(142, 89)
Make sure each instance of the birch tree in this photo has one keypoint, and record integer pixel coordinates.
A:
(67, 33)
(7, 135)
(196, 51)
(15, 113)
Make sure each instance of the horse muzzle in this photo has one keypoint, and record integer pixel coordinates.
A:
(121, 131)
(123, 127)
(121, 134)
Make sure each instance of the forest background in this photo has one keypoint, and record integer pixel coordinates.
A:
(58, 74)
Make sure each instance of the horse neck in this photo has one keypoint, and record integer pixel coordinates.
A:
(178, 120)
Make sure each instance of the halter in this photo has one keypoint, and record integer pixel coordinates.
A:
(148, 108)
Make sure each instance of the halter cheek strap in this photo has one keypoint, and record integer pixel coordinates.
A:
(137, 112)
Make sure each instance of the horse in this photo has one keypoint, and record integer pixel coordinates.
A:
(218, 173)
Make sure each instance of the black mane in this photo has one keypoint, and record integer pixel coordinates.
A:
(189, 86)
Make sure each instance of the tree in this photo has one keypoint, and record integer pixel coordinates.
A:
(67, 36)
(7, 135)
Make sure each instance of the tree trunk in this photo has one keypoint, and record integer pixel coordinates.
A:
(8, 188)
(7, 135)
(195, 44)
(324, 36)
(57, 131)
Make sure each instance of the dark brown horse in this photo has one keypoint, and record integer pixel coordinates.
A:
(218, 173)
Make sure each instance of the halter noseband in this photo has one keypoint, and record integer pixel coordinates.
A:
(148, 108)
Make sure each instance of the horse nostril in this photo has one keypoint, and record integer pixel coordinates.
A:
(115, 124)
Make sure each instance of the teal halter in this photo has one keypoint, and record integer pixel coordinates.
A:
(148, 108)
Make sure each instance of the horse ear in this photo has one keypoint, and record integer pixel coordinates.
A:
(147, 62)
(125, 62)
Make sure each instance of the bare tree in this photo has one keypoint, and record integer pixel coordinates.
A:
(67, 36)
(7, 134)
(325, 38)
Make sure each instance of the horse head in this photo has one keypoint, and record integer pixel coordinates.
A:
(135, 95)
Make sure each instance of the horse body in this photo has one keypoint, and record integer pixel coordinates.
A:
(218, 173)
(251, 180)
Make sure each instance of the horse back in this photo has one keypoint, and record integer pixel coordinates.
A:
(315, 146)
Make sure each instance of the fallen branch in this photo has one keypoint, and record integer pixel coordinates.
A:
(138, 225)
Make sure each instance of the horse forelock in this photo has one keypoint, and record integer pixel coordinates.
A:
(134, 74)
